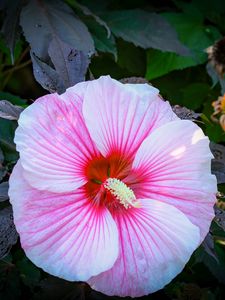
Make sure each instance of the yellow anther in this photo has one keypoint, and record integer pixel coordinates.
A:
(121, 192)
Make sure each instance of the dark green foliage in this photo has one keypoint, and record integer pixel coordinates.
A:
(147, 30)
(10, 27)
(49, 44)
(194, 34)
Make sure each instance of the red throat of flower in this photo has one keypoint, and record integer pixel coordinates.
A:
(105, 185)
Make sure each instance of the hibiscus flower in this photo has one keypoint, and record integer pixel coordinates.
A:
(111, 188)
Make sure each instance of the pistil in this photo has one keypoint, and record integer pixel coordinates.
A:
(121, 192)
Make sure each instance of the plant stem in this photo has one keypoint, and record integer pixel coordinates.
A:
(16, 67)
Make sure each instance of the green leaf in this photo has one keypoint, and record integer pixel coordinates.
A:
(7, 132)
(5, 50)
(144, 29)
(194, 34)
(209, 6)
(29, 273)
(160, 63)
(16, 100)
(194, 95)
(104, 64)
(103, 41)
(86, 11)
(10, 284)
(131, 58)
(10, 27)
(215, 268)
(190, 29)
(214, 11)
(215, 133)
(189, 8)
(53, 288)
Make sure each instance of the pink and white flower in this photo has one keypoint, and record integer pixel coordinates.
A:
(111, 188)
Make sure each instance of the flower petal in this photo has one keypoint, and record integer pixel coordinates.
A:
(156, 241)
(54, 143)
(143, 89)
(174, 166)
(78, 90)
(119, 117)
(63, 233)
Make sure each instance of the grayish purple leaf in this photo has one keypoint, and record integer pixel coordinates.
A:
(8, 233)
(208, 245)
(70, 64)
(185, 113)
(2, 169)
(46, 76)
(86, 11)
(215, 77)
(1, 157)
(103, 42)
(212, 73)
(9, 111)
(134, 80)
(43, 21)
(220, 217)
(218, 163)
(2, 172)
(4, 187)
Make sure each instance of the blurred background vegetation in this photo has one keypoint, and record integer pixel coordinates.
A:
(178, 46)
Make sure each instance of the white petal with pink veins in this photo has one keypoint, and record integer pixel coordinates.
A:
(54, 144)
(143, 89)
(76, 92)
(174, 166)
(156, 241)
(119, 117)
(64, 234)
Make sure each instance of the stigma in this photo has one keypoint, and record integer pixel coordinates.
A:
(121, 192)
